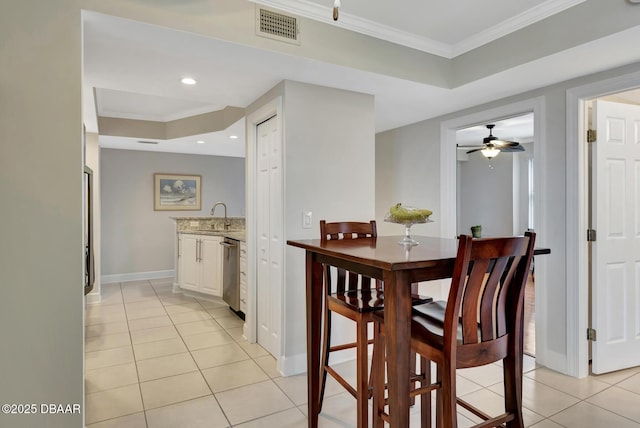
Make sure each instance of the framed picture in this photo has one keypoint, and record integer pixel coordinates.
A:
(174, 192)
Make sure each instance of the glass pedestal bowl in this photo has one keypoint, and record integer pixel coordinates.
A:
(407, 240)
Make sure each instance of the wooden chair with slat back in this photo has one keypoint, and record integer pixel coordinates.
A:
(355, 297)
(480, 323)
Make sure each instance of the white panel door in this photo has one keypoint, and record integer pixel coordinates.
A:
(270, 246)
(616, 251)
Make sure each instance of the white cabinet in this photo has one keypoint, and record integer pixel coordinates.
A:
(243, 277)
(200, 264)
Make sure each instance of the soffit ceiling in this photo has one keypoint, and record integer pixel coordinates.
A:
(134, 68)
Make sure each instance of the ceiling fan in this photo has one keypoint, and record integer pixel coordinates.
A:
(492, 146)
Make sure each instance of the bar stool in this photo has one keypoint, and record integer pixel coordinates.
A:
(354, 297)
(481, 323)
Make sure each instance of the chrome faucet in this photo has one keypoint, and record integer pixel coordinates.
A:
(227, 223)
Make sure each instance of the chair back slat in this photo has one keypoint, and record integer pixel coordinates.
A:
(491, 292)
(471, 300)
(340, 281)
(347, 230)
(366, 282)
(487, 290)
(345, 280)
(353, 281)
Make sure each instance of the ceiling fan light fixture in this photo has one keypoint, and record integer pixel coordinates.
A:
(336, 7)
(490, 152)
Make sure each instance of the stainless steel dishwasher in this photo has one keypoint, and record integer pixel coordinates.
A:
(231, 274)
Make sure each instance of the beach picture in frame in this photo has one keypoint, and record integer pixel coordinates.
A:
(175, 192)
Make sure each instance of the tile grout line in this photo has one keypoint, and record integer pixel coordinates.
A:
(200, 370)
(254, 357)
(190, 351)
(135, 361)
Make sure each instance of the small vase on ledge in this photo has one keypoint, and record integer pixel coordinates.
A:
(476, 231)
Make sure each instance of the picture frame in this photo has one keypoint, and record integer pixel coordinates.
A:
(177, 192)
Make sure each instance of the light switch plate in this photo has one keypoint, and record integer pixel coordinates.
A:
(307, 217)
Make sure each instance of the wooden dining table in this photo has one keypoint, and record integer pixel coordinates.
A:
(398, 266)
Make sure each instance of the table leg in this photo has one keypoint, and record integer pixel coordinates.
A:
(314, 327)
(397, 320)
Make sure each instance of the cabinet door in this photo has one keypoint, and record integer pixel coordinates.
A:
(211, 265)
(189, 262)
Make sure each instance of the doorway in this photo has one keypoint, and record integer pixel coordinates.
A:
(265, 228)
(506, 179)
(577, 221)
(449, 196)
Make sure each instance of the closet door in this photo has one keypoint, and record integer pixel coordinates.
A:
(616, 250)
(270, 248)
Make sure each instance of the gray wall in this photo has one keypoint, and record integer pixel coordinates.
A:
(486, 194)
(408, 171)
(41, 175)
(137, 239)
(93, 161)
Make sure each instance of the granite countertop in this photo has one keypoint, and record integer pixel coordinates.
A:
(213, 226)
(239, 235)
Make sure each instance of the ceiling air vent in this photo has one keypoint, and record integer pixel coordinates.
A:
(147, 142)
(277, 26)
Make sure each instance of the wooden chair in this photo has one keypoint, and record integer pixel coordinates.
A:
(355, 297)
(481, 323)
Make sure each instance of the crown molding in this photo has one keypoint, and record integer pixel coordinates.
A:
(529, 17)
(311, 10)
(308, 9)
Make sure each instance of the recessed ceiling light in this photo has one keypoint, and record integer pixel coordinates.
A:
(188, 81)
(233, 137)
(200, 142)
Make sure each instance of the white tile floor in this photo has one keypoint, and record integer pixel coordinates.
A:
(157, 359)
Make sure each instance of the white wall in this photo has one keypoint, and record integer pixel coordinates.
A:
(329, 169)
(41, 176)
(420, 143)
(135, 238)
(521, 187)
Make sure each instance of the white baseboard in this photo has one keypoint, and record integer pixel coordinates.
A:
(136, 276)
(292, 365)
(297, 364)
(197, 295)
(93, 298)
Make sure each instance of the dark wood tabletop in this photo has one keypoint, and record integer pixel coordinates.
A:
(398, 266)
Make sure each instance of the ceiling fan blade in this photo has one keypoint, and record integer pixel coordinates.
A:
(517, 148)
(472, 146)
(495, 141)
(504, 143)
(474, 150)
